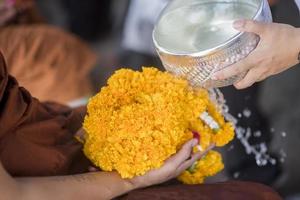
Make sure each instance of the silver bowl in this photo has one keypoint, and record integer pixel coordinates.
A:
(195, 38)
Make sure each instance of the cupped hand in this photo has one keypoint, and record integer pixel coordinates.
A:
(173, 167)
(277, 51)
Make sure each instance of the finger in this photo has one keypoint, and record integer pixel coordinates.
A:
(184, 153)
(233, 70)
(263, 77)
(251, 77)
(190, 162)
(250, 26)
(197, 156)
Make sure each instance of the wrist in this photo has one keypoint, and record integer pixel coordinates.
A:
(138, 182)
(115, 184)
(132, 184)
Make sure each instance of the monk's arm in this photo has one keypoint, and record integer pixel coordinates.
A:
(99, 185)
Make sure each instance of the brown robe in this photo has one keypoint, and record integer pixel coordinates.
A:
(36, 139)
(48, 61)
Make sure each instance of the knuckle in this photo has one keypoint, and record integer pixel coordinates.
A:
(230, 71)
(243, 69)
(250, 24)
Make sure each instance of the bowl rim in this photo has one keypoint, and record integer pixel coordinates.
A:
(210, 51)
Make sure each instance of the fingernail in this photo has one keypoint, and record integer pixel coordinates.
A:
(196, 135)
(239, 24)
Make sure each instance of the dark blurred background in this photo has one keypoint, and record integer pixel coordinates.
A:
(120, 34)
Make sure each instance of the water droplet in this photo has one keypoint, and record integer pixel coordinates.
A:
(283, 134)
(248, 133)
(282, 156)
(263, 148)
(282, 160)
(282, 153)
(273, 161)
(248, 96)
(230, 148)
(247, 113)
(258, 162)
(259, 151)
(261, 162)
(272, 130)
(236, 175)
(257, 134)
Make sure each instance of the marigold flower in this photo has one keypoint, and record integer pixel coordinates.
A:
(210, 165)
(142, 118)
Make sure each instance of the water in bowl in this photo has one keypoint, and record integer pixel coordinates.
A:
(200, 26)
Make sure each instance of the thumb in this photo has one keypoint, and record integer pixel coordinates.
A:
(249, 26)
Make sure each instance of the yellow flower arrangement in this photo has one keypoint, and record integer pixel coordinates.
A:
(210, 165)
(142, 118)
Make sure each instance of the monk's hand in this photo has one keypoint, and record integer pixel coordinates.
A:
(173, 167)
(278, 50)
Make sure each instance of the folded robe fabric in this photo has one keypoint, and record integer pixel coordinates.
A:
(36, 139)
(48, 61)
